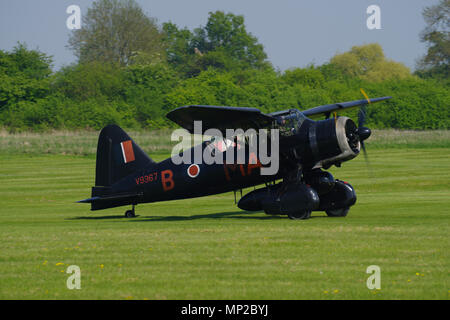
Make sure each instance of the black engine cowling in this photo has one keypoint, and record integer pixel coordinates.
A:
(333, 141)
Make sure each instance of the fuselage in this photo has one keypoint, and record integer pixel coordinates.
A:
(298, 144)
(168, 181)
(303, 143)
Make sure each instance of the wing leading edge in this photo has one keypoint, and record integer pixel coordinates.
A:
(335, 107)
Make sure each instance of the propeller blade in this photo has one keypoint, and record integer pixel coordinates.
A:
(363, 147)
(363, 132)
(366, 158)
(362, 116)
(363, 110)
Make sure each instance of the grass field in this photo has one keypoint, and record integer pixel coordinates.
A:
(207, 248)
(158, 141)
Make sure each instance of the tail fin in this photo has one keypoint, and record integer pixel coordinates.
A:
(117, 156)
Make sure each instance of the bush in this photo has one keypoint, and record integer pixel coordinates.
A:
(94, 95)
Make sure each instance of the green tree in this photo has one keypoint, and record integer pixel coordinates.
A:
(31, 63)
(180, 50)
(24, 75)
(223, 43)
(228, 31)
(437, 37)
(90, 80)
(310, 76)
(146, 87)
(116, 31)
(210, 87)
(178, 44)
(369, 63)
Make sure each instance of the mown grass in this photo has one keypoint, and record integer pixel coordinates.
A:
(159, 141)
(207, 248)
(392, 138)
(82, 142)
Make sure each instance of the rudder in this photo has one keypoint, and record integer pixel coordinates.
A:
(117, 156)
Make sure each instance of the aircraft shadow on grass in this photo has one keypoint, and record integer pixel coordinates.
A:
(217, 215)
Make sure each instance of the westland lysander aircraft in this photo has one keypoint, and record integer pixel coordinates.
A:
(125, 175)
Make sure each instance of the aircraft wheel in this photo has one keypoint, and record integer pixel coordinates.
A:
(341, 212)
(130, 214)
(302, 215)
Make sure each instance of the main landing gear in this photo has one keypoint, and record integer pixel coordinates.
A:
(130, 213)
(341, 212)
(301, 215)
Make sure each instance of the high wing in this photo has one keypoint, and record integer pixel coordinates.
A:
(245, 118)
(335, 107)
(219, 117)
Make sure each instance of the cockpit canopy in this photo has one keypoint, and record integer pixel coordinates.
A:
(289, 121)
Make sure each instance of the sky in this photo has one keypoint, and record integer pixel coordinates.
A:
(294, 33)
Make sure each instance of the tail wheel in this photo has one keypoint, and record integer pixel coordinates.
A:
(341, 212)
(130, 214)
(302, 215)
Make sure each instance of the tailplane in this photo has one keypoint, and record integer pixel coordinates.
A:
(117, 157)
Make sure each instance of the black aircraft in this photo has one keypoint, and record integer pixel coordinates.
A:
(126, 175)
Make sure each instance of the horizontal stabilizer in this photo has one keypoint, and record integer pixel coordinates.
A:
(111, 201)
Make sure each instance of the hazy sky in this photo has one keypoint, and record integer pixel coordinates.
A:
(294, 33)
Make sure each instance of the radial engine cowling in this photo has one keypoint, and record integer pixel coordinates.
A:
(333, 141)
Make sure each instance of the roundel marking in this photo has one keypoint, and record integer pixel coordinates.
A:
(193, 170)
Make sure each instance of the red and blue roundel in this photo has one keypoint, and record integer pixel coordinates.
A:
(193, 170)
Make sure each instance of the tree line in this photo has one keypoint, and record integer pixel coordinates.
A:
(132, 71)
